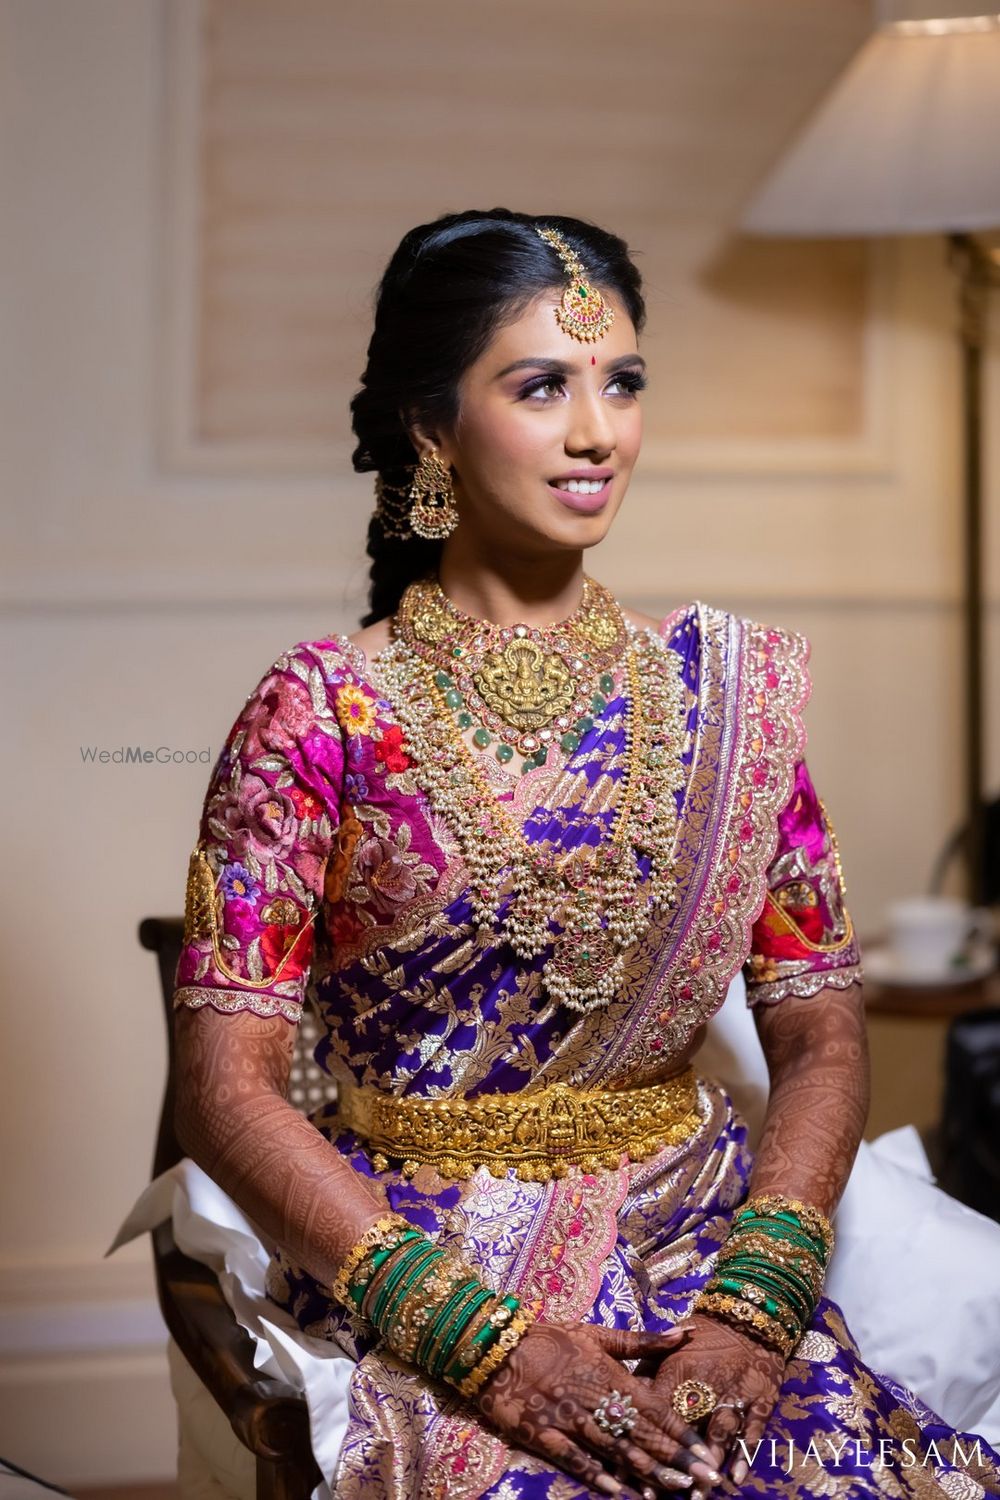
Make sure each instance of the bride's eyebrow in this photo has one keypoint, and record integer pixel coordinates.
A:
(562, 367)
(550, 366)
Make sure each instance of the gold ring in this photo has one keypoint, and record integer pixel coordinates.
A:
(615, 1414)
(694, 1399)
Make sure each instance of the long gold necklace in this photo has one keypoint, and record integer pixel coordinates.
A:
(590, 905)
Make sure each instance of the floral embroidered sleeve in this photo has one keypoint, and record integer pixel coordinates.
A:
(255, 879)
(803, 940)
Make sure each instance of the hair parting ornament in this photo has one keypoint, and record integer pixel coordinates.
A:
(583, 312)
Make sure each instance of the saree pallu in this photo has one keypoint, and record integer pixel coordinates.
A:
(322, 864)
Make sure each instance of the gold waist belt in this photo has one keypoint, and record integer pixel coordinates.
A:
(540, 1134)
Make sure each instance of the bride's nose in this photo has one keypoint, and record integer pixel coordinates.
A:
(590, 428)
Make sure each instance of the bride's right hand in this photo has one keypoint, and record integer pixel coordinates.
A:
(544, 1396)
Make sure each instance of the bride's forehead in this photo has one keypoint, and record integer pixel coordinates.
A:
(533, 332)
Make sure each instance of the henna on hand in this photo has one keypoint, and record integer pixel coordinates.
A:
(739, 1369)
(544, 1396)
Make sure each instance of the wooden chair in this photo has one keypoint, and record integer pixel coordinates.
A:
(269, 1418)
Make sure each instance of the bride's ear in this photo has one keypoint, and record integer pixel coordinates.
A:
(424, 436)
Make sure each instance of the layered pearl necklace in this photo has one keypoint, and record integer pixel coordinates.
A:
(596, 897)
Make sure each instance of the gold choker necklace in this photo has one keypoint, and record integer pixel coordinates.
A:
(528, 685)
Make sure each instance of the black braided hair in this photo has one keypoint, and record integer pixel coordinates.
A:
(447, 289)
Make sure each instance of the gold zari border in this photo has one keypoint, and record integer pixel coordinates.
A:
(539, 1134)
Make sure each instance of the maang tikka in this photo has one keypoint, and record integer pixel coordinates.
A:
(583, 312)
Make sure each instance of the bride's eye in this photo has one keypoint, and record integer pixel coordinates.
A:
(629, 382)
(543, 385)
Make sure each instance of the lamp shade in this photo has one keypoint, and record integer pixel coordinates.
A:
(906, 142)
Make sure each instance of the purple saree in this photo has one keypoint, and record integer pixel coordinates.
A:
(335, 877)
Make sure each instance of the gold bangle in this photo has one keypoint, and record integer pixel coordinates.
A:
(786, 1315)
(465, 1356)
(508, 1340)
(418, 1307)
(747, 1318)
(423, 1301)
(374, 1237)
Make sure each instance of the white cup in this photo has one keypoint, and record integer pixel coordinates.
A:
(930, 935)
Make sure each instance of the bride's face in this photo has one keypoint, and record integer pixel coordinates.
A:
(548, 432)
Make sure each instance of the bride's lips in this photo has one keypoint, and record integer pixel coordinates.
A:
(587, 504)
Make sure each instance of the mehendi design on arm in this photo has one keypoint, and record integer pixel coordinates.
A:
(817, 1054)
(232, 1118)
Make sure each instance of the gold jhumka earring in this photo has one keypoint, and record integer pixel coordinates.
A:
(426, 508)
(583, 312)
(433, 514)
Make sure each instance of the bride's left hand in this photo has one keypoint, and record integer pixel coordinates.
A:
(739, 1369)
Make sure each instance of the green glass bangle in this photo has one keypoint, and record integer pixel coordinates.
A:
(440, 1319)
(447, 1314)
(408, 1284)
(778, 1272)
(486, 1337)
(397, 1270)
(790, 1219)
(784, 1244)
(461, 1363)
(801, 1311)
(770, 1305)
(751, 1270)
(388, 1294)
(781, 1228)
(742, 1264)
(429, 1285)
(452, 1331)
(490, 1332)
(377, 1280)
(775, 1231)
(728, 1284)
(377, 1258)
(478, 1300)
(359, 1285)
(798, 1292)
(782, 1264)
(783, 1317)
(392, 1275)
(439, 1350)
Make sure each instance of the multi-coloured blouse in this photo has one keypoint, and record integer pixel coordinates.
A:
(323, 867)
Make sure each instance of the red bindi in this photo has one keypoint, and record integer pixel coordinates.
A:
(593, 359)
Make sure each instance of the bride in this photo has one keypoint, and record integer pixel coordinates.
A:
(514, 840)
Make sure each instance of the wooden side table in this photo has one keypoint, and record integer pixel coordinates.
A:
(907, 1028)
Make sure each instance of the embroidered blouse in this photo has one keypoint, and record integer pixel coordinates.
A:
(322, 869)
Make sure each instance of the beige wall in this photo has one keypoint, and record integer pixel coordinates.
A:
(155, 561)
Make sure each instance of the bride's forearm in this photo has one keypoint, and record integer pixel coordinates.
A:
(817, 1054)
(233, 1120)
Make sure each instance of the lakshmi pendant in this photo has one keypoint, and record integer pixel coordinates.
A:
(526, 684)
